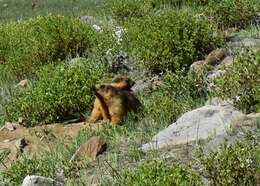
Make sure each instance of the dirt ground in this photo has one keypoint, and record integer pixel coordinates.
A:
(35, 140)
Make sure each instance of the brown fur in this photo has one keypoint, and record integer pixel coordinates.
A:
(216, 56)
(120, 82)
(119, 102)
(101, 110)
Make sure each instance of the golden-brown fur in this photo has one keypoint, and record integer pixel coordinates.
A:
(101, 109)
(118, 102)
(120, 82)
(216, 56)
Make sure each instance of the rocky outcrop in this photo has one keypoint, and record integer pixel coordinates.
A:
(239, 44)
(213, 66)
(208, 121)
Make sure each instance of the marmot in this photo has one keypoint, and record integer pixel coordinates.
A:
(216, 56)
(101, 108)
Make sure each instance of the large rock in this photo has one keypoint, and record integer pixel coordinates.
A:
(92, 148)
(202, 123)
(40, 181)
(239, 44)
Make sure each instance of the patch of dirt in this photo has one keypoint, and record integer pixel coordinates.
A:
(38, 140)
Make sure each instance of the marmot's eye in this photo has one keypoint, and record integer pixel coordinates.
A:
(102, 86)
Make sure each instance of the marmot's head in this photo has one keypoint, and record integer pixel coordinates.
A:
(120, 82)
(124, 81)
(106, 91)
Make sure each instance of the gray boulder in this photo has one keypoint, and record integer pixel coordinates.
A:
(238, 44)
(88, 19)
(199, 124)
(40, 181)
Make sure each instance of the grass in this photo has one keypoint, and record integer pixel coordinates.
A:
(250, 31)
(23, 9)
(123, 143)
(7, 88)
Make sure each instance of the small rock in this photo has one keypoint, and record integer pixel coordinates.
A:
(147, 84)
(97, 28)
(229, 33)
(23, 122)
(226, 62)
(40, 181)
(141, 85)
(88, 19)
(9, 126)
(214, 74)
(23, 83)
(92, 148)
(196, 66)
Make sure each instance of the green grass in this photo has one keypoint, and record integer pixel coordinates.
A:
(250, 31)
(22, 9)
(7, 89)
(123, 143)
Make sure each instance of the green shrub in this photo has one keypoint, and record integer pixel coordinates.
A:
(232, 13)
(158, 173)
(60, 92)
(171, 40)
(7, 89)
(123, 10)
(235, 164)
(126, 9)
(25, 46)
(178, 3)
(178, 94)
(241, 82)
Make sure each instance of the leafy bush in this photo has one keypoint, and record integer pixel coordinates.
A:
(232, 13)
(232, 165)
(241, 82)
(27, 45)
(171, 40)
(178, 3)
(159, 173)
(126, 9)
(59, 93)
(178, 94)
(123, 10)
(7, 89)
